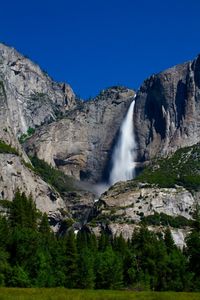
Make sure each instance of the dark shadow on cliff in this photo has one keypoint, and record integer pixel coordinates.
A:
(153, 108)
(109, 162)
(180, 101)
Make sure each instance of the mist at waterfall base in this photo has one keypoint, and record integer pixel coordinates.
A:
(123, 166)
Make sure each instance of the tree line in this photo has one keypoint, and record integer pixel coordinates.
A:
(31, 255)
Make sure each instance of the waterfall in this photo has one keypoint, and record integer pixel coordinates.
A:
(123, 156)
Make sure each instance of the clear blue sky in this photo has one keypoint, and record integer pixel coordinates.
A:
(93, 44)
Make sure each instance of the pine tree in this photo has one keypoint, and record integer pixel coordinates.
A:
(109, 270)
(86, 269)
(104, 241)
(44, 226)
(168, 239)
(71, 261)
(23, 212)
(193, 249)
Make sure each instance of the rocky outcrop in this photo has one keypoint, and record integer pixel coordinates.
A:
(32, 97)
(167, 111)
(28, 98)
(128, 202)
(78, 138)
(79, 204)
(127, 231)
(81, 143)
(124, 207)
(15, 175)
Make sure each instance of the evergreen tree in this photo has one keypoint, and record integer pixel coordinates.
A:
(168, 239)
(150, 255)
(109, 270)
(178, 278)
(193, 249)
(44, 226)
(104, 241)
(4, 266)
(44, 273)
(23, 212)
(19, 277)
(71, 261)
(86, 269)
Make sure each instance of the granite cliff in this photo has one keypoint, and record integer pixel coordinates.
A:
(167, 111)
(28, 98)
(80, 144)
(71, 135)
(32, 97)
(44, 119)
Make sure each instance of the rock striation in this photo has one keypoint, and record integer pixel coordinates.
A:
(78, 137)
(167, 111)
(32, 97)
(28, 99)
(124, 206)
(81, 143)
(16, 175)
(129, 203)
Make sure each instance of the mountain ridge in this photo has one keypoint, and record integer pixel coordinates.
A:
(77, 137)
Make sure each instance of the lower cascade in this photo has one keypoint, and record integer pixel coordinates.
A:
(123, 166)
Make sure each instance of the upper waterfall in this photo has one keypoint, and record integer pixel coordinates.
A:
(123, 165)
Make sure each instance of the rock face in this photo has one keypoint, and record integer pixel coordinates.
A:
(15, 175)
(28, 98)
(32, 98)
(78, 138)
(127, 203)
(167, 111)
(81, 143)
(127, 230)
(121, 209)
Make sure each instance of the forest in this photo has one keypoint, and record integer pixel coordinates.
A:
(31, 255)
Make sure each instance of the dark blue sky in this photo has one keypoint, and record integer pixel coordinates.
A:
(93, 44)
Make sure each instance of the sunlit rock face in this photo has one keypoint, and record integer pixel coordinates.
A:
(28, 99)
(15, 175)
(167, 111)
(32, 97)
(81, 144)
(122, 208)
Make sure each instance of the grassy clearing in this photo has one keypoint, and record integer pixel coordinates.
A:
(64, 294)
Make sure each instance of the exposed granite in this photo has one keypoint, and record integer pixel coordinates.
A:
(81, 144)
(167, 111)
(32, 97)
(15, 175)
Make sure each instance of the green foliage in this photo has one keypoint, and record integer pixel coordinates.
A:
(181, 168)
(19, 277)
(44, 227)
(23, 211)
(86, 273)
(168, 240)
(166, 220)
(26, 135)
(5, 204)
(61, 182)
(5, 148)
(31, 255)
(30, 131)
(193, 252)
(109, 271)
(71, 261)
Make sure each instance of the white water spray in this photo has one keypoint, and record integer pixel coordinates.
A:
(123, 156)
